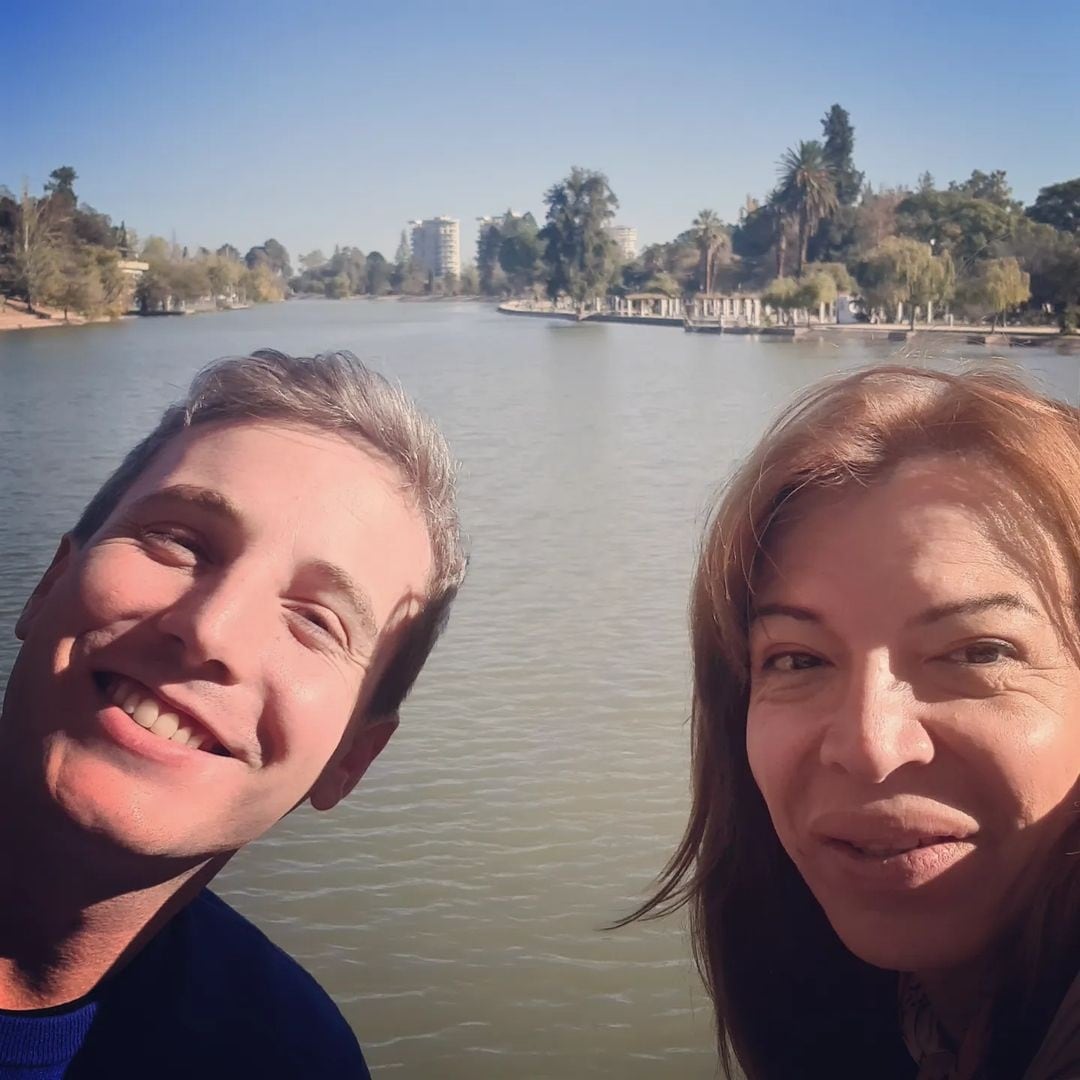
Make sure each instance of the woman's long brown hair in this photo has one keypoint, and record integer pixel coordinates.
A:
(789, 999)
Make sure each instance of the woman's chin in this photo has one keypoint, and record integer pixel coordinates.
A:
(906, 944)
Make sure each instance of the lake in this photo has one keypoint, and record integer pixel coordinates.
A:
(453, 905)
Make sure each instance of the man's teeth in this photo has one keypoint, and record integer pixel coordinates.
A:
(148, 713)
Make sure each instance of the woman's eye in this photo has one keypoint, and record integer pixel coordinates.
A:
(792, 661)
(982, 653)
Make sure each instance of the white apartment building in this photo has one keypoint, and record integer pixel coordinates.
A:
(625, 236)
(436, 245)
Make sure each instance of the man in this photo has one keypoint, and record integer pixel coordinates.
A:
(228, 631)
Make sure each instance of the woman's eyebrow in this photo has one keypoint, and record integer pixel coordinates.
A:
(790, 610)
(973, 606)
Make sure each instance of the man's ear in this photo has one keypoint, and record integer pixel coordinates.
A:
(64, 550)
(362, 747)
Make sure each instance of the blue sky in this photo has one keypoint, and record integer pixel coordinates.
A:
(334, 122)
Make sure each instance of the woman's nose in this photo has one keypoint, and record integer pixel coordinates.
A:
(877, 726)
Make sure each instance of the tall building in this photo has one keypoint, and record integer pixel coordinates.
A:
(625, 236)
(436, 245)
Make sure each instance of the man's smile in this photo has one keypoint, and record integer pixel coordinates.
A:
(156, 716)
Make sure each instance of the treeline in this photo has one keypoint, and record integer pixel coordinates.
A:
(968, 247)
(349, 272)
(60, 253)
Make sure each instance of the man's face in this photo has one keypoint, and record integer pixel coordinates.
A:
(200, 665)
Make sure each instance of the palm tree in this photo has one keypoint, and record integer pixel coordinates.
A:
(807, 190)
(710, 238)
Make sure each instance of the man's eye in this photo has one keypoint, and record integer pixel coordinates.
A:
(170, 539)
(318, 623)
(982, 653)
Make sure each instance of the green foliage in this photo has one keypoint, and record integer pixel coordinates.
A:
(990, 187)
(838, 153)
(510, 255)
(273, 256)
(378, 274)
(1058, 205)
(312, 260)
(838, 274)
(521, 253)
(580, 256)
(784, 294)
(672, 268)
(712, 239)
(964, 225)
(996, 286)
(903, 270)
(807, 191)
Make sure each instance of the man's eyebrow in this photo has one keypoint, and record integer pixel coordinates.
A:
(973, 606)
(341, 582)
(214, 502)
(202, 498)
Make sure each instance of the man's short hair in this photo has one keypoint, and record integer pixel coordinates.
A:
(333, 392)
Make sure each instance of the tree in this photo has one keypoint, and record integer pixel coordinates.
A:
(33, 261)
(1058, 205)
(224, 274)
(520, 252)
(580, 255)
(78, 286)
(760, 240)
(965, 226)
(378, 272)
(312, 260)
(817, 290)
(839, 146)
(991, 187)
(490, 273)
(875, 219)
(997, 286)
(904, 271)
(842, 280)
(271, 254)
(807, 190)
(783, 294)
(711, 237)
(470, 280)
(62, 182)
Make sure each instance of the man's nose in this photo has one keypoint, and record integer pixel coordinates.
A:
(219, 624)
(878, 726)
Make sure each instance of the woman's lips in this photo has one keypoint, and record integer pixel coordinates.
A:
(892, 865)
(903, 845)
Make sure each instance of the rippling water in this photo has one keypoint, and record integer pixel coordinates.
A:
(539, 779)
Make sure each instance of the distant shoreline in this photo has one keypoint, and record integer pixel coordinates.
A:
(896, 331)
(14, 316)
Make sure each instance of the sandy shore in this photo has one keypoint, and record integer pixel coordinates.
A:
(14, 316)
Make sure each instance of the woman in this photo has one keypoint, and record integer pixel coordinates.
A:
(881, 860)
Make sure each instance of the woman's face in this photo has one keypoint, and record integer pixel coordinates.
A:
(914, 719)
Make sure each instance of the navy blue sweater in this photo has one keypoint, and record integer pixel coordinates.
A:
(210, 996)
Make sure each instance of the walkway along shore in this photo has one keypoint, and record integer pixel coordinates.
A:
(975, 335)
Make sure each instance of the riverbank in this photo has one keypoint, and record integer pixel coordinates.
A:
(15, 316)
